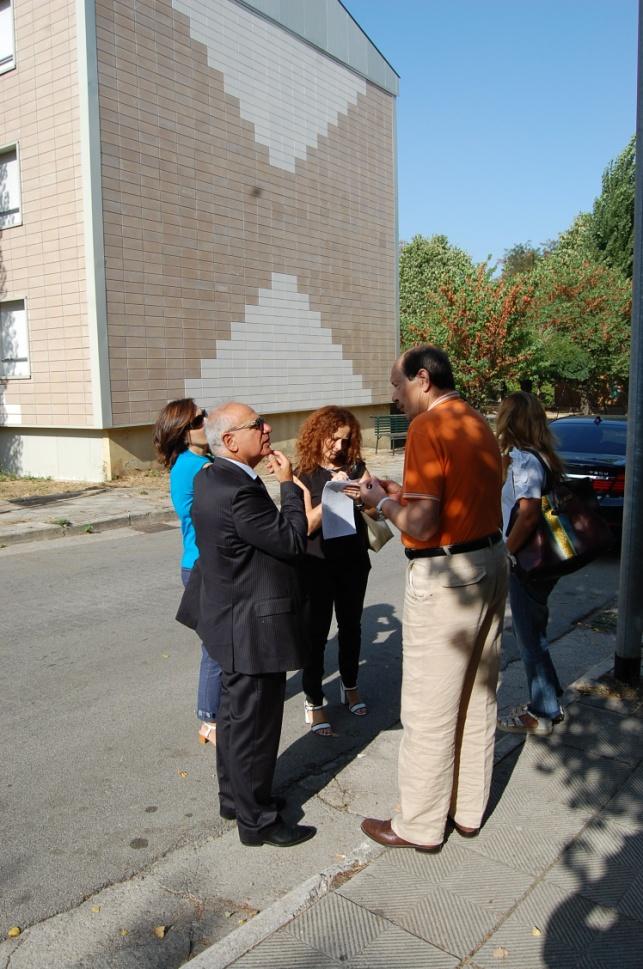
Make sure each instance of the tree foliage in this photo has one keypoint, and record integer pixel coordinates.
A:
(481, 325)
(606, 234)
(580, 321)
(426, 265)
(577, 239)
(612, 223)
(521, 258)
(559, 312)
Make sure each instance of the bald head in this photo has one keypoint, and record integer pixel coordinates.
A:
(231, 432)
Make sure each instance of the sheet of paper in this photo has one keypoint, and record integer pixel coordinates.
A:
(338, 515)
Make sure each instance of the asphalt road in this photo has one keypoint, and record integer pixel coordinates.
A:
(102, 772)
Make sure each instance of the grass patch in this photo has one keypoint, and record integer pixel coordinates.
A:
(5, 476)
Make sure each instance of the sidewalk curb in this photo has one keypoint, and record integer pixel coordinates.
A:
(284, 910)
(225, 952)
(47, 532)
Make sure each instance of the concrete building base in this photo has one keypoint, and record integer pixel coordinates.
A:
(102, 455)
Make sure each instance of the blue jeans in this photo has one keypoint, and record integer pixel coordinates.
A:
(530, 615)
(209, 690)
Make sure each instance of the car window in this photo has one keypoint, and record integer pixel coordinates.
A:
(590, 438)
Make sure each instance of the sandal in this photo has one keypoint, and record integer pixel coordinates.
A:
(208, 733)
(359, 709)
(526, 722)
(524, 708)
(321, 727)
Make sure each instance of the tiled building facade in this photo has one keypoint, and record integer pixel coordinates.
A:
(206, 208)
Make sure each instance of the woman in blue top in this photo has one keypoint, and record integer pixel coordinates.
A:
(523, 432)
(179, 438)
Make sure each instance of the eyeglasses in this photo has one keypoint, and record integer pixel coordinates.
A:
(197, 422)
(257, 424)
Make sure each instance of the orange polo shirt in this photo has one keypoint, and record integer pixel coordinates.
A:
(452, 456)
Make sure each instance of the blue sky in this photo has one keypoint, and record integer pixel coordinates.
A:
(509, 111)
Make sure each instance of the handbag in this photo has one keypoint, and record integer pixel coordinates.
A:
(378, 532)
(570, 533)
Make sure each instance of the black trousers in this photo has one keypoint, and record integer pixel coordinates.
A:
(342, 585)
(248, 732)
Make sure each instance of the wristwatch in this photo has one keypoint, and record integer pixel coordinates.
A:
(378, 506)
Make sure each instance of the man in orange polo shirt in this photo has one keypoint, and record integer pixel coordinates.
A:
(448, 511)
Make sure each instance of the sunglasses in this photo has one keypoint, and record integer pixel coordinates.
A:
(197, 422)
(257, 424)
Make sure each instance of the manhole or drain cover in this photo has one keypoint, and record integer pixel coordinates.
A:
(151, 527)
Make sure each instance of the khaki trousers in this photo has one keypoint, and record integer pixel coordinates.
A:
(452, 626)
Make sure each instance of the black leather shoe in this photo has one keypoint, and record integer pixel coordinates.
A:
(281, 835)
(229, 814)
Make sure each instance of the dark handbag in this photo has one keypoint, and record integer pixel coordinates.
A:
(571, 531)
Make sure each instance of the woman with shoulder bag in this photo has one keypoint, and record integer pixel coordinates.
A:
(335, 570)
(523, 434)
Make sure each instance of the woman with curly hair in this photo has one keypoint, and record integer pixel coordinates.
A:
(335, 570)
(531, 464)
(181, 444)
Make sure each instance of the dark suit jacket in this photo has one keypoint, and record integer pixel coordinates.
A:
(243, 597)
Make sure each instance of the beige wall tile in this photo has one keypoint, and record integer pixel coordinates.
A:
(43, 260)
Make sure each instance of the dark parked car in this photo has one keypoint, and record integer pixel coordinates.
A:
(594, 448)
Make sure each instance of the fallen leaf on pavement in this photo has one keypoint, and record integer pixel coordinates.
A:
(536, 931)
(95, 908)
(14, 932)
(182, 773)
(124, 932)
(160, 930)
(500, 952)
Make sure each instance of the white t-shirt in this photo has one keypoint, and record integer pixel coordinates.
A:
(525, 479)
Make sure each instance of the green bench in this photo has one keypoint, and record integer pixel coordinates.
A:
(393, 426)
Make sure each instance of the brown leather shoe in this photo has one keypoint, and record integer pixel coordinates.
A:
(464, 832)
(382, 832)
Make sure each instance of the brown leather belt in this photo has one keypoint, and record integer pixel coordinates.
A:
(428, 553)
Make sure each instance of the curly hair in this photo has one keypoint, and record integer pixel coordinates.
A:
(316, 431)
(171, 428)
(521, 422)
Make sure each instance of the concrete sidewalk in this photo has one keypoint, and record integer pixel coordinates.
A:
(555, 878)
(100, 508)
(555, 873)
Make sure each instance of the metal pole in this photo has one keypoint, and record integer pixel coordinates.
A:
(627, 660)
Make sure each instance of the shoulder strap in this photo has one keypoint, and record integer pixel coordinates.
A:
(550, 478)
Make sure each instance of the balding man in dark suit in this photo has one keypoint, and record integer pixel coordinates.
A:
(245, 603)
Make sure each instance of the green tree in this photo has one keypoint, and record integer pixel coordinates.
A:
(606, 234)
(481, 323)
(612, 225)
(577, 239)
(521, 258)
(426, 265)
(580, 323)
